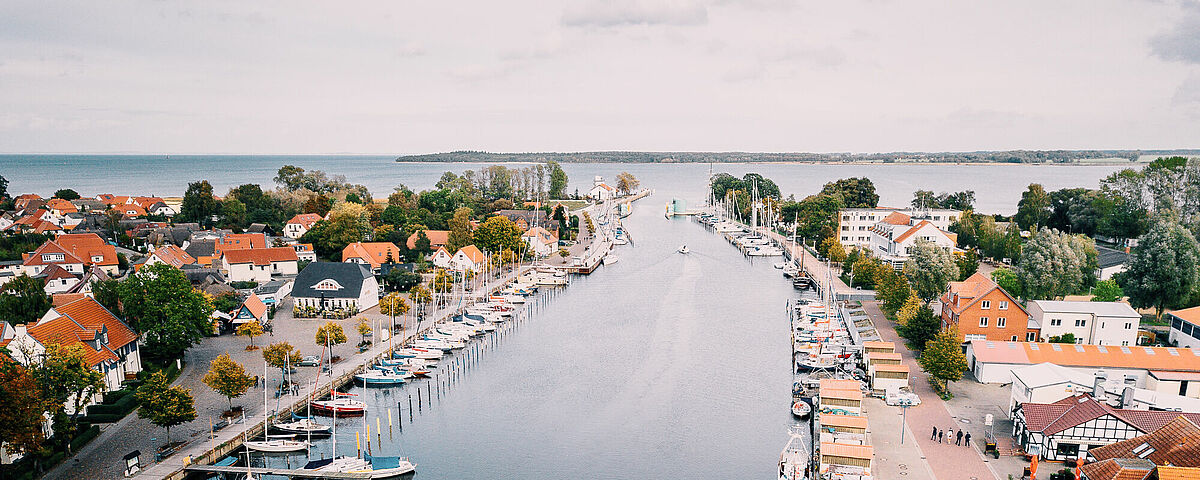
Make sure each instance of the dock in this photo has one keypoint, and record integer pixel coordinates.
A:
(283, 472)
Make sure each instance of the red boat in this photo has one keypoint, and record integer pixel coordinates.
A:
(339, 405)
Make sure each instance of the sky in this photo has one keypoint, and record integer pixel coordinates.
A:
(406, 76)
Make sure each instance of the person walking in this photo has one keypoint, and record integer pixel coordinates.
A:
(934, 436)
(968, 442)
(941, 435)
(958, 438)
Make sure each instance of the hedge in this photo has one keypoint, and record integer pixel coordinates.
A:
(101, 418)
(112, 397)
(122, 406)
(84, 437)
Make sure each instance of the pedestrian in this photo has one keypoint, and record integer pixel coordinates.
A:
(958, 438)
(934, 436)
(968, 442)
(941, 435)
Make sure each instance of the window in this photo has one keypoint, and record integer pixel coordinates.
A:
(1068, 450)
(986, 304)
(1030, 336)
(845, 227)
(1003, 305)
(1080, 323)
(1001, 322)
(1055, 322)
(1128, 326)
(53, 257)
(1013, 339)
(983, 321)
(1124, 343)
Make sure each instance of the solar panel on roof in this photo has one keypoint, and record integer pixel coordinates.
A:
(1148, 350)
(1012, 346)
(1079, 348)
(1173, 351)
(1056, 347)
(1102, 348)
(1125, 349)
(991, 345)
(1195, 351)
(1034, 346)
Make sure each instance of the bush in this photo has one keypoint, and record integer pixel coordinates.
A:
(102, 418)
(243, 285)
(84, 437)
(122, 406)
(114, 396)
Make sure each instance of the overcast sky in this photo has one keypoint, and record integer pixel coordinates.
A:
(407, 76)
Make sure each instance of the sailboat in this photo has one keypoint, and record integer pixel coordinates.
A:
(279, 444)
(684, 250)
(303, 425)
(375, 467)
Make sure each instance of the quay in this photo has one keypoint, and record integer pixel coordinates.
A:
(286, 472)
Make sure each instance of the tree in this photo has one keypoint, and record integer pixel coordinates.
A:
(1008, 281)
(908, 310)
(364, 329)
(399, 279)
(1162, 270)
(199, 204)
(393, 305)
(1107, 291)
(817, 217)
(3, 187)
(834, 250)
(66, 376)
(280, 355)
(1053, 265)
(1034, 207)
(855, 192)
(924, 199)
(24, 403)
(250, 329)
(23, 300)
(329, 335)
(347, 223)
(227, 378)
(893, 289)
(627, 183)
(943, 357)
(442, 281)
(234, 212)
(1064, 338)
(460, 230)
(930, 269)
(164, 405)
(968, 264)
(921, 328)
(498, 233)
(66, 194)
(161, 304)
(563, 252)
(558, 179)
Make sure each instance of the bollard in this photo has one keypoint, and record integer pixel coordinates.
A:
(419, 402)
(410, 415)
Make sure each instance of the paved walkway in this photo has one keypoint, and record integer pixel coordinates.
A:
(893, 459)
(950, 462)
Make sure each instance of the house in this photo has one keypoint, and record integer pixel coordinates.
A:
(73, 252)
(984, 311)
(372, 254)
(1094, 323)
(160, 209)
(1048, 383)
(468, 258)
(839, 460)
(60, 208)
(893, 238)
(259, 264)
(300, 224)
(129, 210)
(1175, 445)
(333, 285)
(541, 241)
(170, 255)
(524, 219)
(1069, 428)
(28, 200)
(251, 310)
(854, 224)
(56, 279)
(601, 191)
(305, 252)
(273, 292)
(204, 251)
(240, 241)
(441, 258)
(1185, 327)
(840, 396)
(437, 238)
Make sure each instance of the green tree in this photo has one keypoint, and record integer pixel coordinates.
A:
(393, 305)
(627, 183)
(460, 230)
(108, 293)
(164, 405)
(24, 404)
(498, 233)
(227, 378)
(399, 279)
(199, 204)
(1054, 264)
(855, 192)
(161, 304)
(921, 328)
(234, 212)
(1064, 338)
(1162, 269)
(23, 300)
(833, 249)
(1034, 207)
(909, 309)
(1008, 280)
(1107, 291)
(66, 194)
(968, 264)
(364, 329)
(943, 357)
(924, 199)
(442, 281)
(348, 223)
(558, 180)
(817, 217)
(930, 269)
(67, 379)
(894, 290)
(280, 355)
(250, 329)
(329, 335)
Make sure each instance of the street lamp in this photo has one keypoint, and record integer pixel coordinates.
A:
(904, 404)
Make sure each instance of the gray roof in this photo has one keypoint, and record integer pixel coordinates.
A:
(349, 275)
(1103, 309)
(1110, 257)
(270, 287)
(201, 248)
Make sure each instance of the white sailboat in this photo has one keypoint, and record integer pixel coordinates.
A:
(278, 444)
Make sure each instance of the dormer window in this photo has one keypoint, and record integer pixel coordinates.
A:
(53, 257)
(97, 258)
(327, 285)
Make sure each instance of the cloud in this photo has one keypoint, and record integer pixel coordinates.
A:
(617, 13)
(1188, 93)
(985, 118)
(410, 49)
(1181, 43)
(825, 56)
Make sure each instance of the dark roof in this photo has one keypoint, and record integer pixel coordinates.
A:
(1176, 443)
(201, 248)
(1053, 418)
(387, 267)
(258, 228)
(1110, 257)
(349, 275)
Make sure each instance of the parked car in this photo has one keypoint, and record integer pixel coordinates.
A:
(309, 361)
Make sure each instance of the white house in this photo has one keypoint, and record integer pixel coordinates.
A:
(332, 285)
(601, 191)
(1185, 327)
(1095, 323)
(57, 280)
(893, 237)
(259, 264)
(441, 258)
(854, 224)
(300, 224)
(541, 241)
(468, 258)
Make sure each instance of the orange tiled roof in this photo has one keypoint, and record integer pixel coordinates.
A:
(261, 256)
(852, 421)
(65, 331)
(89, 313)
(147, 202)
(472, 252)
(912, 231)
(241, 241)
(256, 306)
(865, 452)
(88, 245)
(1166, 472)
(49, 247)
(65, 298)
(1175, 443)
(374, 253)
(305, 219)
(897, 218)
(437, 238)
(130, 209)
(969, 291)
(1118, 469)
(174, 256)
(61, 205)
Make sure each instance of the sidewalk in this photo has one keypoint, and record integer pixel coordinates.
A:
(950, 462)
(893, 460)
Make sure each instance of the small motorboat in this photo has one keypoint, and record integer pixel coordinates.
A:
(277, 445)
(611, 259)
(779, 265)
(340, 405)
(684, 250)
(801, 409)
(304, 426)
(374, 466)
(379, 378)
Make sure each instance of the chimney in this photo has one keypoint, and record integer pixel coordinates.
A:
(1127, 397)
(1098, 387)
(19, 329)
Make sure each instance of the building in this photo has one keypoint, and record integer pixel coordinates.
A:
(334, 285)
(74, 253)
(468, 258)
(1185, 327)
(1049, 383)
(170, 255)
(1110, 261)
(110, 346)
(525, 219)
(984, 311)
(840, 397)
(1069, 428)
(854, 224)
(601, 191)
(259, 264)
(251, 310)
(541, 241)
(1095, 323)
(437, 238)
(442, 258)
(300, 225)
(371, 254)
(1175, 445)
(239, 241)
(55, 279)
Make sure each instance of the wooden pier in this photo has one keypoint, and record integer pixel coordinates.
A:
(285, 472)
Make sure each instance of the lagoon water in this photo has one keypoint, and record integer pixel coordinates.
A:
(997, 187)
